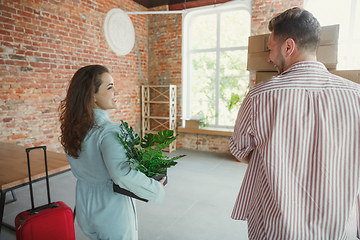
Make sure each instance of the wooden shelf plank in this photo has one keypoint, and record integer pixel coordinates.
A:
(154, 117)
(205, 131)
(155, 132)
(157, 102)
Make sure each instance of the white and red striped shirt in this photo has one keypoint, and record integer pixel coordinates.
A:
(303, 179)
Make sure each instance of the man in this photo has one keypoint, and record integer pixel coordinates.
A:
(300, 131)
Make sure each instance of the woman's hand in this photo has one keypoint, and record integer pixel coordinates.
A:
(162, 182)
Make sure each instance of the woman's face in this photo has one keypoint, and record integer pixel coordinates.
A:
(105, 97)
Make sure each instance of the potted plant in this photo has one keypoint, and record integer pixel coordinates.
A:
(146, 154)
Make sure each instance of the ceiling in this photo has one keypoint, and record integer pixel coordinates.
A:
(156, 3)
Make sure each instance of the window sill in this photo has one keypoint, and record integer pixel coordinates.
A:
(207, 131)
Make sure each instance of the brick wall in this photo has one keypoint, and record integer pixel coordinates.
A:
(165, 59)
(43, 43)
(204, 142)
(263, 11)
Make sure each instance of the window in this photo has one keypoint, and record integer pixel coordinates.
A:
(347, 15)
(214, 61)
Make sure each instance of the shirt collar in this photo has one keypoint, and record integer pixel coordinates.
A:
(101, 115)
(313, 65)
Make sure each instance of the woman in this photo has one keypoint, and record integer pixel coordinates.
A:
(97, 158)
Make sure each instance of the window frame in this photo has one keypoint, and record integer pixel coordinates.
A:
(186, 52)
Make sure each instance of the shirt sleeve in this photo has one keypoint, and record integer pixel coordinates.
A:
(118, 166)
(242, 141)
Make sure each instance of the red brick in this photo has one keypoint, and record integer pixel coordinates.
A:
(72, 42)
(17, 136)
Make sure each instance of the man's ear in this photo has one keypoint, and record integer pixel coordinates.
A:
(290, 47)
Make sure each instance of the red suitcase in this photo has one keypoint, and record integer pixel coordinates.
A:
(50, 221)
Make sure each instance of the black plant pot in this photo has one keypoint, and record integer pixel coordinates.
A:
(159, 177)
(125, 192)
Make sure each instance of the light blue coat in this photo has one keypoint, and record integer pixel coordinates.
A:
(101, 213)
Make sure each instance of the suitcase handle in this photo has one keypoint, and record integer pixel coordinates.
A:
(38, 209)
(33, 209)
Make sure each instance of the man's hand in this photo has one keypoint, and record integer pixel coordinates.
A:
(247, 158)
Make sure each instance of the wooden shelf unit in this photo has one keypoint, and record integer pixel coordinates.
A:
(158, 95)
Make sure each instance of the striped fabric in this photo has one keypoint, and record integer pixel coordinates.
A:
(303, 180)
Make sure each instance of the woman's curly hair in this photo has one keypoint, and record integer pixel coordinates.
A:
(76, 110)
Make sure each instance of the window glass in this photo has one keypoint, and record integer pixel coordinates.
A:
(233, 62)
(355, 48)
(357, 22)
(215, 59)
(203, 84)
(203, 32)
(234, 28)
(234, 79)
(230, 86)
(203, 63)
(203, 99)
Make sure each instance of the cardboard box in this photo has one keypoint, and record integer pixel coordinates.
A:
(258, 53)
(327, 54)
(258, 61)
(262, 76)
(192, 123)
(353, 75)
(329, 35)
(258, 43)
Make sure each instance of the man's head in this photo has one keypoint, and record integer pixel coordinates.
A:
(295, 36)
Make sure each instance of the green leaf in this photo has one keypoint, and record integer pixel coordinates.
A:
(163, 136)
(135, 164)
(127, 132)
(177, 157)
(130, 152)
(236, 99)
(147, 141)
(166, 143)
(129, 139)
(149, 155)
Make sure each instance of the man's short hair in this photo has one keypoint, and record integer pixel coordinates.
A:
(298, 24)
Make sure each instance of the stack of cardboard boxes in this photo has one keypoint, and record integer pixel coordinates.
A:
(258, 54)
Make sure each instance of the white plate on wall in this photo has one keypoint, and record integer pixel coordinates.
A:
(119, 31)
